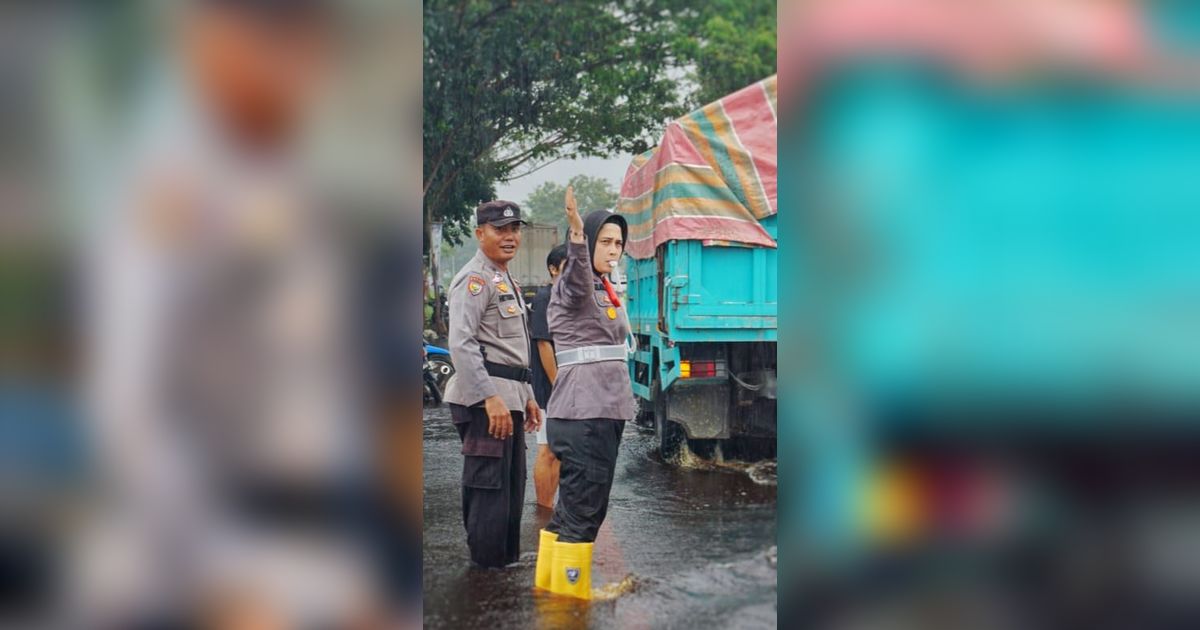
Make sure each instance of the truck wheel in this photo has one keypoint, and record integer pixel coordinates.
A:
(704, 449)
(644, 413)
(670, 435)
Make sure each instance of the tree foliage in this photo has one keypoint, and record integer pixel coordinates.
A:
(545, 204)
(728, 44)
(511, 85)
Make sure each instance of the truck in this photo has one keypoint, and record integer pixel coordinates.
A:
(528, 268)
(1010, 370)
(701, 276)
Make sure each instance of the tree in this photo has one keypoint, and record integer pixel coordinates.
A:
(510, 86)
(545, 204)
(728, 44)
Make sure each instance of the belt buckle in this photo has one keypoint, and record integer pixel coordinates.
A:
(590, 353)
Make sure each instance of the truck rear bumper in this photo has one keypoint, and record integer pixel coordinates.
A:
(708, 409)
(701, 407)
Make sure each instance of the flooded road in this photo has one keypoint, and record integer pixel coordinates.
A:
(692, 547)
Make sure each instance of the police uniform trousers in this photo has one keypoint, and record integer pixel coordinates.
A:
(493, 486)
(588, 452)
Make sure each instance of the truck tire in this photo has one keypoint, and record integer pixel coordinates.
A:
(704, 449)
(670, 435)
(644, 414)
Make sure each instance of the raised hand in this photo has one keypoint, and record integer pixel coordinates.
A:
(573, 219)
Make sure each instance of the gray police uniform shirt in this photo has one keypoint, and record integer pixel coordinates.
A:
(581, 314)
(487, 312)
(216, 357)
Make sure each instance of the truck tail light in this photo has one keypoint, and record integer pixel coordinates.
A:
(966, 501)
(702, 369)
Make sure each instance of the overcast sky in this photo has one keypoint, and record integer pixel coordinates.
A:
(612, 169)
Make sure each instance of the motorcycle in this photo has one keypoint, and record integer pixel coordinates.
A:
(437, 371)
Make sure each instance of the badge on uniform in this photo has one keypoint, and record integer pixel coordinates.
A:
(512, 309)
(572, 575)
(497, 277)
(474, 285)
(611, 312)
(503, 287)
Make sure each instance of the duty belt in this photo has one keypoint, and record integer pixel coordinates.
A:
(590, 354)
(510, 372)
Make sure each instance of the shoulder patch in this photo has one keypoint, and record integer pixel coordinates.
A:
(474, 285)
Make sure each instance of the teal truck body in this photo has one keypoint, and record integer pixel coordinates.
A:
(700, 303)
(704, 312)
(1012, 269)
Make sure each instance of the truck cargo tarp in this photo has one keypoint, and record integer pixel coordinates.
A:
(712, 178)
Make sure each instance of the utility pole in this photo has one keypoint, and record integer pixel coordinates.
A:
(435, 277)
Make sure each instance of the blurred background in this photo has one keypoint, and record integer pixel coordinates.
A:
(209, 283)
(991, 327)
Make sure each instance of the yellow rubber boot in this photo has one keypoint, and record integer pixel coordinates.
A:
(545, 559)
(571, 572)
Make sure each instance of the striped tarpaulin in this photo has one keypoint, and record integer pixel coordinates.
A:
(712, 178)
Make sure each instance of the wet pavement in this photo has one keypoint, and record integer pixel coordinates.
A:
(685, 547)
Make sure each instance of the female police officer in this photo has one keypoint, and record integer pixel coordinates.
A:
(591, 401)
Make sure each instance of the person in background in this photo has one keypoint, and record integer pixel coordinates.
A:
(545, 370)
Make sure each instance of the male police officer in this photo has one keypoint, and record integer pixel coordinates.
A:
(490, 391)
(226, 399)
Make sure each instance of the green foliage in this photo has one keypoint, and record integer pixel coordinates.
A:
(511, 85)
(728, 43)
(545, 204)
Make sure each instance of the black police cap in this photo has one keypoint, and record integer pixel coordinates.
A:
(498, 213)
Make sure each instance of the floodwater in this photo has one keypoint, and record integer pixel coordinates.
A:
(690, 546)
